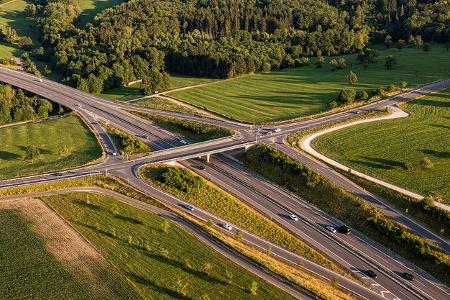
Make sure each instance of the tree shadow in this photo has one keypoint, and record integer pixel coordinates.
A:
(41, 150)
(200, 274)
(128, 219)
(83, 203)
(160, 289)
(5, 155)
(439, 154)
(379, 163)
(435, 103)
(440, 126)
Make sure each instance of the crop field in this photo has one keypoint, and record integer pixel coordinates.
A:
(307, 90)
(381, 149)
(63, 143)
(161, 264)
(134, 91)
(49, 259)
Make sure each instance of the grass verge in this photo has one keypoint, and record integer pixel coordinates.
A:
(186, 185)
(125, 143)
(192, 130)
(311, 186)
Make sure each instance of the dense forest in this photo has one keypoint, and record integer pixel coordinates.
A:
(146, 39)
(16, 106)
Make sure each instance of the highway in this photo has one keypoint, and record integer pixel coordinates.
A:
(355, 251)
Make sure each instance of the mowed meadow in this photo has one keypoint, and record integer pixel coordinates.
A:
(63, 142)
(303, 91)
(382, 149)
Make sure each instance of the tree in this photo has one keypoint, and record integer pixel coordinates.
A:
(319, 61)
(155, 82)
(181, 287)
(239, 234)
(426, 163)
(352, 78)
(390, 62)
(408, 166)
(10, 35)
(32, 152)
(253, 288)
(44, 107)
(25, 43)
(229, 275)
(388, 41)
(346, 96)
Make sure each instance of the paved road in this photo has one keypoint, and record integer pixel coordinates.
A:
(97, 108)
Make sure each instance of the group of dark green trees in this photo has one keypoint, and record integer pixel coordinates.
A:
(146, 39)
(15, 106)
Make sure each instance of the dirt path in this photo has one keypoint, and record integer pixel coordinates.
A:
(66, 244)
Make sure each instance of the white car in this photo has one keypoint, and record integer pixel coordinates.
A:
(276, 130)
(227, 226)
(40, 79)
(293, 217)
(188, 207)
(183, 142)
(331, 229)
(114, 153)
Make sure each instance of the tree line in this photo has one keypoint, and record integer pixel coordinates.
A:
(147, 39)
(16, 106)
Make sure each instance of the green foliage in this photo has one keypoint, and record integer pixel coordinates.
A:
(153, 257)
(345, 206)
(426, 163)
(390, 62)
(181, 179)
(347, 96)
(352, 78)
(126, 143)
(32, 152)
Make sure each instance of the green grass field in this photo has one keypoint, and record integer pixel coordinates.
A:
(382, 148)
(162, 265)
(29, 271)
(63, 142)
(11, 15)
(90, 8)
(292, 93)
(134, 91)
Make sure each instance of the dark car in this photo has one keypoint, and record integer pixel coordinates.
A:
(371, 274)
(58, 174)
(408, 276)
(344, 229)
(188, 207)
(201, 168)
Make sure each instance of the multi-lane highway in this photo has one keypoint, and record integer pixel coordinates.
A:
(355, 252)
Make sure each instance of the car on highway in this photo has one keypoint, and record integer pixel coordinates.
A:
(78, 105)
(227, 226)
(371, 274)
(330, 229)
(183, 142)
(114, 154)
(40, 79)
(344, 229)
(276, 130)
(202, 168)
(293, 217)
(58, 174)
(408, 276)
(188, 207)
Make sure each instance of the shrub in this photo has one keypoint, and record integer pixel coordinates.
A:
(32, 152)
(403, 84)
(390, 62)
(352, 78)
(346, 96)
(319, 61)
(426, 163)
(408, 166)
(361, 95)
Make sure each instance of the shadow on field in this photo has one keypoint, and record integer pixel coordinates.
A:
(445, 104)
(152, 285)
(379, 163)
(5, 155)
(439, 154)
(182, 266)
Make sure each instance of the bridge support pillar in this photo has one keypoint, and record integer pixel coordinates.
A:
(207, 157)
